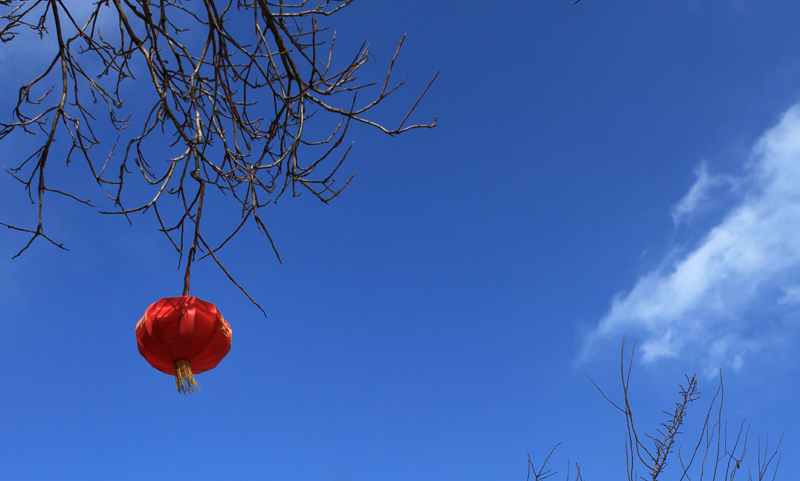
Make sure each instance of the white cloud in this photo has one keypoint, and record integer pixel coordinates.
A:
(700, 195)
(791, 295)
(712, 301)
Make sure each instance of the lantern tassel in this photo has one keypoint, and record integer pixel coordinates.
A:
(184, 378)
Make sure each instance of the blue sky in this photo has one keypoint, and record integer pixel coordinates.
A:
(597, 169)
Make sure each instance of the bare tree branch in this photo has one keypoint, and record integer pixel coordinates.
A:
(718, 454)
(224, 91)
(541, 473)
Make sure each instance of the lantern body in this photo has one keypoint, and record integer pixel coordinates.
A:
(183, 336)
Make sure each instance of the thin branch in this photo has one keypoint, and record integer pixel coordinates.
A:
(247, 97)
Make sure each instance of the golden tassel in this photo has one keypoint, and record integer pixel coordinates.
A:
(184, 377)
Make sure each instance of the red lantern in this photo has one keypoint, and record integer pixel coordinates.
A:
(183, 336)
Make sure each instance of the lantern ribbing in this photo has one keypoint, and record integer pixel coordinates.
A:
(183, 336)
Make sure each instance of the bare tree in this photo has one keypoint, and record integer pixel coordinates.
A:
(228, 88)
(717, 454)
(543, 472)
